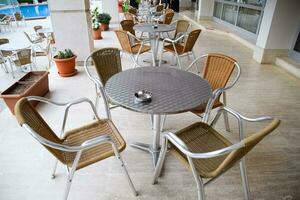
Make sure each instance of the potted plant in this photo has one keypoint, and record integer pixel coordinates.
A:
(31, 84)
(95, 25)
(65, 62)
(104, 19)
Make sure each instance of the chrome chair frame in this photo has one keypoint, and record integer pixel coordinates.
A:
(133, 57)
(171, 137)
(78, 149)
(173, 42)
(99, 88)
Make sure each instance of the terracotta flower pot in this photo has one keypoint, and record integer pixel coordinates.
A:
(104, 27)
(97, 34)
(66, 67)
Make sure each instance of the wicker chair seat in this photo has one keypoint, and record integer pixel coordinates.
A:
(179, 48)
(202, 107)
(201, 138)
(135, 48)
(79, 135)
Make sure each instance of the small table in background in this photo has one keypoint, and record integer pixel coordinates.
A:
(154, 36)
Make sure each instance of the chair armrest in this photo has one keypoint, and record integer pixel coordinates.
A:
(183, 148)
(195, 61)
(240, 118)
(67, 105)
(96, 141)
(175, 40)
(85, 145)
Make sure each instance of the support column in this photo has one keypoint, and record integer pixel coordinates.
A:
(111, 7)
(277, 30)
(71, 22)
(205, 9)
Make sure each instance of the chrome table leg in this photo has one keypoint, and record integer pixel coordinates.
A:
(153, 149)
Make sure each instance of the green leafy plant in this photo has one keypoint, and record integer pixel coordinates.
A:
(95, 19)
(67, 53)
(104, 18)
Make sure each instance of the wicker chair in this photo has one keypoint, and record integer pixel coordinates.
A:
(77, 148)
(167, 17)
(159, 8)
(34, 40)
(5, 22)
(181, 49)
(133, 11)
(5, 53)
(217, 70)
(19, 18)
(47, 51)
(127, 25)
(36, 28)
(182, 27)
(208, 154)
(3, 62)
(136, 49)
(107, 62)
(23, 58)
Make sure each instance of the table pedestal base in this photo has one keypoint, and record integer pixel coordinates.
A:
(156, 62)
(153, 149)
(148, 148)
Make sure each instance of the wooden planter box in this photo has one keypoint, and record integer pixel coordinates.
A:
(32, 84)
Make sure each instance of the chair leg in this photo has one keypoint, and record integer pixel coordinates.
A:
(178, 61)
(163, 120)
(117, 154)
(71, 174)
(225, 114)
(244, 179)
(54, 169)
(151, 118)
(160, 161)
(198, 179)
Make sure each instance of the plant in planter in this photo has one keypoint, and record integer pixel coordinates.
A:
(65, 63)
(95, 25)
(104, 19)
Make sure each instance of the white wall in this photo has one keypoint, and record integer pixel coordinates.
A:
(71, 22)
(206, 9)
(111, 7)
(277, 30)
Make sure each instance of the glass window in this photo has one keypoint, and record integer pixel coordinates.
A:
(229, 13)
(248, 19)
(297, 44)
(217, 9)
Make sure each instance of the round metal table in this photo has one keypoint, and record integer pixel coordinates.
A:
(154, 36)
(14, 46)
(173, 91)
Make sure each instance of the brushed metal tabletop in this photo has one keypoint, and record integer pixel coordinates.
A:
(150, 28)
(173, 90)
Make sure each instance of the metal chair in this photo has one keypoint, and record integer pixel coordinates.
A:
(127, 25)
(19, 18)
(167, 17)
(5, 21)
(47, 51)
(107, 62)
(181, 49)
(3, 63)
(208, 154)
(5, 53)
(134, 50)
(23, 58)
(38, 27)
(217, 70)
(182, 27)
(77, 148)
(34, 40)
(159, 8)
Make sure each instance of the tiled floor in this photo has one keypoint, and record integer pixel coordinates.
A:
(273, 166)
